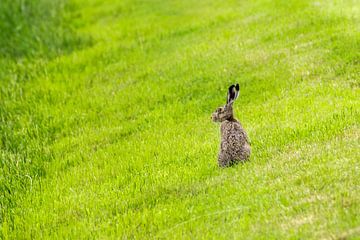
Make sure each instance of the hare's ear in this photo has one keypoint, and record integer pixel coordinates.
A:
(233, 93)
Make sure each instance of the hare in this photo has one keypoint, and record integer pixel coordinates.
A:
(234, 147)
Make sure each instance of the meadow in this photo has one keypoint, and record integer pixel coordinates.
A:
(105, 129)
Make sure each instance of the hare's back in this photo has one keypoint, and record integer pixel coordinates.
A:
(234, 143)
(232, 131)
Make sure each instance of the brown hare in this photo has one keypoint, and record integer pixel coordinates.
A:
(234, 147)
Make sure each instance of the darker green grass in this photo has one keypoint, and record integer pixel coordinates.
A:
(38, 28)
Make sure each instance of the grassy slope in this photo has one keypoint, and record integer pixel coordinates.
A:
(114, 138)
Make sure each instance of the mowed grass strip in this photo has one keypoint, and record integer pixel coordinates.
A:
(111, 136)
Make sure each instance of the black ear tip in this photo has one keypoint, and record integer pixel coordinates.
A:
(231, 87)
(237, 87)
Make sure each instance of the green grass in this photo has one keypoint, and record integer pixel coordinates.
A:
(105, 119)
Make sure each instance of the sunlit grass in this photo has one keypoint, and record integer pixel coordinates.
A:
(110, 136)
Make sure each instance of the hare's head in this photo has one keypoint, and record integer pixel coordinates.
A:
(226, 112)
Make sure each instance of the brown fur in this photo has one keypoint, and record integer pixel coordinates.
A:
(234, 145)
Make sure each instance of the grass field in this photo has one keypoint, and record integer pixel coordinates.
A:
(105, 119)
